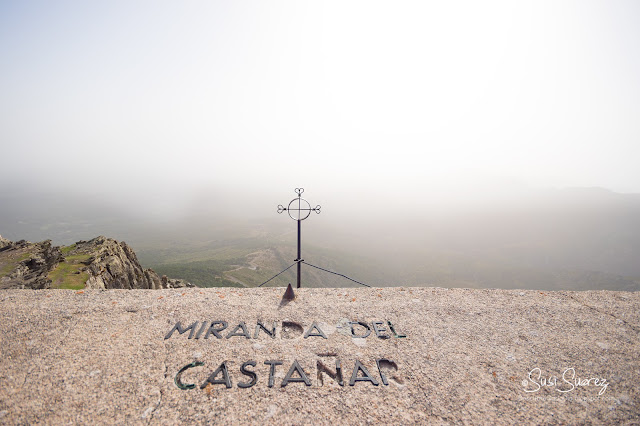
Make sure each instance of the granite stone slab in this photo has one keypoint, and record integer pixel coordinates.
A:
(406, 356)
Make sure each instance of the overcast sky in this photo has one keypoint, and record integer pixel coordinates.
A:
(266, 96)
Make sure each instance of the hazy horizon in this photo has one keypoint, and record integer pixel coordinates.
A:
(470, 137)
(574, 238)
(146, 99)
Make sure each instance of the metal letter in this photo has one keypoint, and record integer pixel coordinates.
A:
(252, 374)
(394, 331)
(178, 327)
(319, 333)
(177, 379)
(226, 380)
(271, 333)
(353, 333)
(244, 333)
(214, 330)
(337, 376)
(272, 370)
(291, 329)
(303, 377)
(365, 378)
(389, 365)
(204, 325)
(379, 330)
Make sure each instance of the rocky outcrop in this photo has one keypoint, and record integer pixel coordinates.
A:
(113, 265)
(27, 265)
(101, 263)
(4, 242)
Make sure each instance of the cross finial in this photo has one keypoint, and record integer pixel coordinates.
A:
(299, 208)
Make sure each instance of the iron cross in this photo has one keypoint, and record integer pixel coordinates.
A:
(299, 209)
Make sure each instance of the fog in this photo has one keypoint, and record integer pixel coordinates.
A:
(139, 97)
(455, 127)
(519, 237)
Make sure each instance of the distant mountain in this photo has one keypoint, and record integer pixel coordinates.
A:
(571, 239)
(35, 214)
(551, 239)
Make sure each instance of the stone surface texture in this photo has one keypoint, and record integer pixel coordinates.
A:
(100, 356)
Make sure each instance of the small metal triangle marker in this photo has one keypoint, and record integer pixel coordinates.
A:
(289, 295)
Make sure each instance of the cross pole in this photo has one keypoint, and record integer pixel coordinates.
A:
(299, 209)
